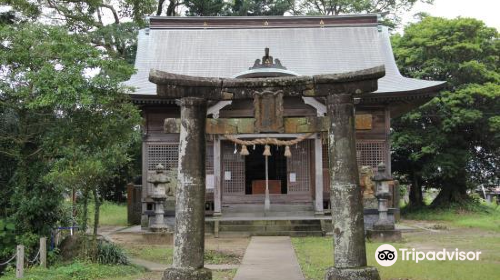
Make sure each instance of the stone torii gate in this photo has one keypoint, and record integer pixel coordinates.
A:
(267, 93)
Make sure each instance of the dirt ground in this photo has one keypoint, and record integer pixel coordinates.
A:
(229, 245)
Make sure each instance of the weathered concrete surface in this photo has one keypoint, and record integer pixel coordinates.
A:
(189, 242)
(346, 198)
(347, 208)
(269, 258)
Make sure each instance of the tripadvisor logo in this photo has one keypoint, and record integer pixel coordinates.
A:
(387, 255)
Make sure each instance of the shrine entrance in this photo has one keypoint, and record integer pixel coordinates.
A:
(267, 93)
(290, 179)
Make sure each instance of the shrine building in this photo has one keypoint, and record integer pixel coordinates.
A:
(294, 128)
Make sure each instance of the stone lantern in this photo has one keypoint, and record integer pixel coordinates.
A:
(383, 229)
(159, 180)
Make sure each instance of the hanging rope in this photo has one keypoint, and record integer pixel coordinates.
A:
(35, 258)
(7, 262)
(266, 142)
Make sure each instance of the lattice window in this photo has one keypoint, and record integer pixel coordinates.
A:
(371, 152)
(368, 153)
(235, 164)
(168, 155)
(164, 153)
(209, 162)
(300, 164)
(324, 147)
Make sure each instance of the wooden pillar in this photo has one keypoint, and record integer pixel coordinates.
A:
(43, 252)
(347, 206)
(318, 168)
(217, 179)
(388, 139)
(189, 234)
(20, 261)
(144, 189)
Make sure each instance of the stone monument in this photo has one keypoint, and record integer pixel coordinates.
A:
(159, 180)
(383, 229)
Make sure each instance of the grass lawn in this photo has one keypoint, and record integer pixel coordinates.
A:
(487, 217)
(112, 214)
(467, 231)
(79, 271)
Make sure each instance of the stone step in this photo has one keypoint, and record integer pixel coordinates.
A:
(306, 227)
(254, 228)
(274, 233)
(238, 208)
(267, 214)
(271, 222)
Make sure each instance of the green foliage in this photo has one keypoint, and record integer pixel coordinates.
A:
(7, 238)
(77, 271)
(452, 142)
(109, 253)
(65, 121)
(389, 9)
(204, 7)
(260, 7)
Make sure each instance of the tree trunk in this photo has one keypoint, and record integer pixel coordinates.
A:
(451, 194)
(85, 209)
(453, 191)
(416, 197)
(160, 7)
(171, 8)
(97, 205)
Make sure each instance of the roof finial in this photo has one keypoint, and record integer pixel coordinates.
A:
(267, 62)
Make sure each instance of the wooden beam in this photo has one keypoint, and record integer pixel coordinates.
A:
(247, 125)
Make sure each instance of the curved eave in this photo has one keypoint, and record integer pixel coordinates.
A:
(386, 97)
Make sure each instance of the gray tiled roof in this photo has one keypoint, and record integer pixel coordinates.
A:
(306, 51)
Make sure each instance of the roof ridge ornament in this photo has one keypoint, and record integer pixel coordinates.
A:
(267, 62)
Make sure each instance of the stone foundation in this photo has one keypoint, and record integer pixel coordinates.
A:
(185, 274)
(383, 235)
(361, 273)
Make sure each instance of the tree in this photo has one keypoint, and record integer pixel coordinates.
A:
(389, 9)
(453, 142)
(261, 7)
(63, 115)
(204, 7)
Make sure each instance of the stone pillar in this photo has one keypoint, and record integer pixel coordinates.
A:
(346, 198)
(318, 166)
(189, 242)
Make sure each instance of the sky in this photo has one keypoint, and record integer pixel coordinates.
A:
(485, 10)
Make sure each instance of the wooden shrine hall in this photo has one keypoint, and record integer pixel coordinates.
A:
(275, 135)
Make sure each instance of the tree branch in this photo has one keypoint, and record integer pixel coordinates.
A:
(112, 9)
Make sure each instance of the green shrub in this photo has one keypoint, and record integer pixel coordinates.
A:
(109, 253)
